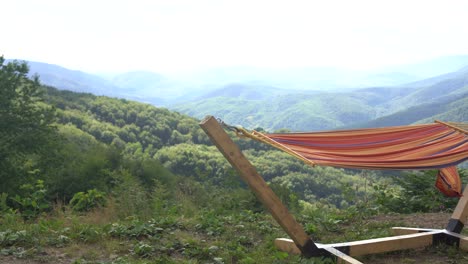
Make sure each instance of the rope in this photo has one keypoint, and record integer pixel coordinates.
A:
(456, 126)
(255, 135)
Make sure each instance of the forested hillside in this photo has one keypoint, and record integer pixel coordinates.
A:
(109, 180)
(453, 108)
(256, 102)
(296, 112)
(144, 132)
(402, 105)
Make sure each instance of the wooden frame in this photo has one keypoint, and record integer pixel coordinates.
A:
(301, 243)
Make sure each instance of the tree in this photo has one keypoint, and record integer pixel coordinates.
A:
(25, 122)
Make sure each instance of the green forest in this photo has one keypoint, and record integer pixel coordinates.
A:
(108, 180)
(443, 98)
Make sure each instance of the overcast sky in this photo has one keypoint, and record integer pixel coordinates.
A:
(174, 35)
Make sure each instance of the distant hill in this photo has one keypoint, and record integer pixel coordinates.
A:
(144, 83)
(302, 78)
(327, 78)
(451, 108)
(456, 85)
(143, 86)
(445, 97)
(439, 78)
(433, 67)
(242, 91)
(249, 91)
(293, 111)
(275, 98)
(141, 79)
(77, 81)
(457, 112)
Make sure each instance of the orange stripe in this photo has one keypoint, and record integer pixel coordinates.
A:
(429, 145)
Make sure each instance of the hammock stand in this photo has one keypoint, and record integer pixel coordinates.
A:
(301, 243)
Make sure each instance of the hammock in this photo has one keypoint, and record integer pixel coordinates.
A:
(418, 147)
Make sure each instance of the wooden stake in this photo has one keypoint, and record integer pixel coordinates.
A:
(460, 214)
(258, 185)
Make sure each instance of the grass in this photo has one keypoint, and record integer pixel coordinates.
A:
(89, 238)
(236, 237)
(187, 230)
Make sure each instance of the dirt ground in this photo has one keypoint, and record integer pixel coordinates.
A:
(426, 220)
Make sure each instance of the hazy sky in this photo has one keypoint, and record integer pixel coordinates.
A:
(172, 35)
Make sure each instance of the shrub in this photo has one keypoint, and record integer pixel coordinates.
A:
(34, 202)
(85, 201)
(417, 194)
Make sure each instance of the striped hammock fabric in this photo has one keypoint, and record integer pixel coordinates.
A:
(448, 182)
(418, 147)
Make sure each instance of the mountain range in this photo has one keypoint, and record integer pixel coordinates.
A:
(443, 97)
(295, 99)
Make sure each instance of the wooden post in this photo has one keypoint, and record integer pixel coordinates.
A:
(258, 185)
(460, 214)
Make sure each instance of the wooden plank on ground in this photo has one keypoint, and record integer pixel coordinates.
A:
(398, 231)
(342, 258)
(257, 184)
(388, 244)
(287, 245)
(463, 240)
(373, 246)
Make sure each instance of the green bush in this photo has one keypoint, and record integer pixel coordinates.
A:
(85, 201)
(34, 201)
(4, 208)
(414, 192)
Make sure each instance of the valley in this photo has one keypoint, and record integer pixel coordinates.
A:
(98, 178)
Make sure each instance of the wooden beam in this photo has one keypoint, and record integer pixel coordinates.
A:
(387, 244)
(463, 240)
(287, 245)
(398, 231)
(372, 246)
(342, 258)
(460, 214)
(258, 185)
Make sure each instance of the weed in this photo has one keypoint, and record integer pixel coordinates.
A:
(4, 208)
(88, 233)
(139, 229)
(12, 238)
(211, 224)
(34, 202)
(85, 201)
(59, 241)
(142, 249)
